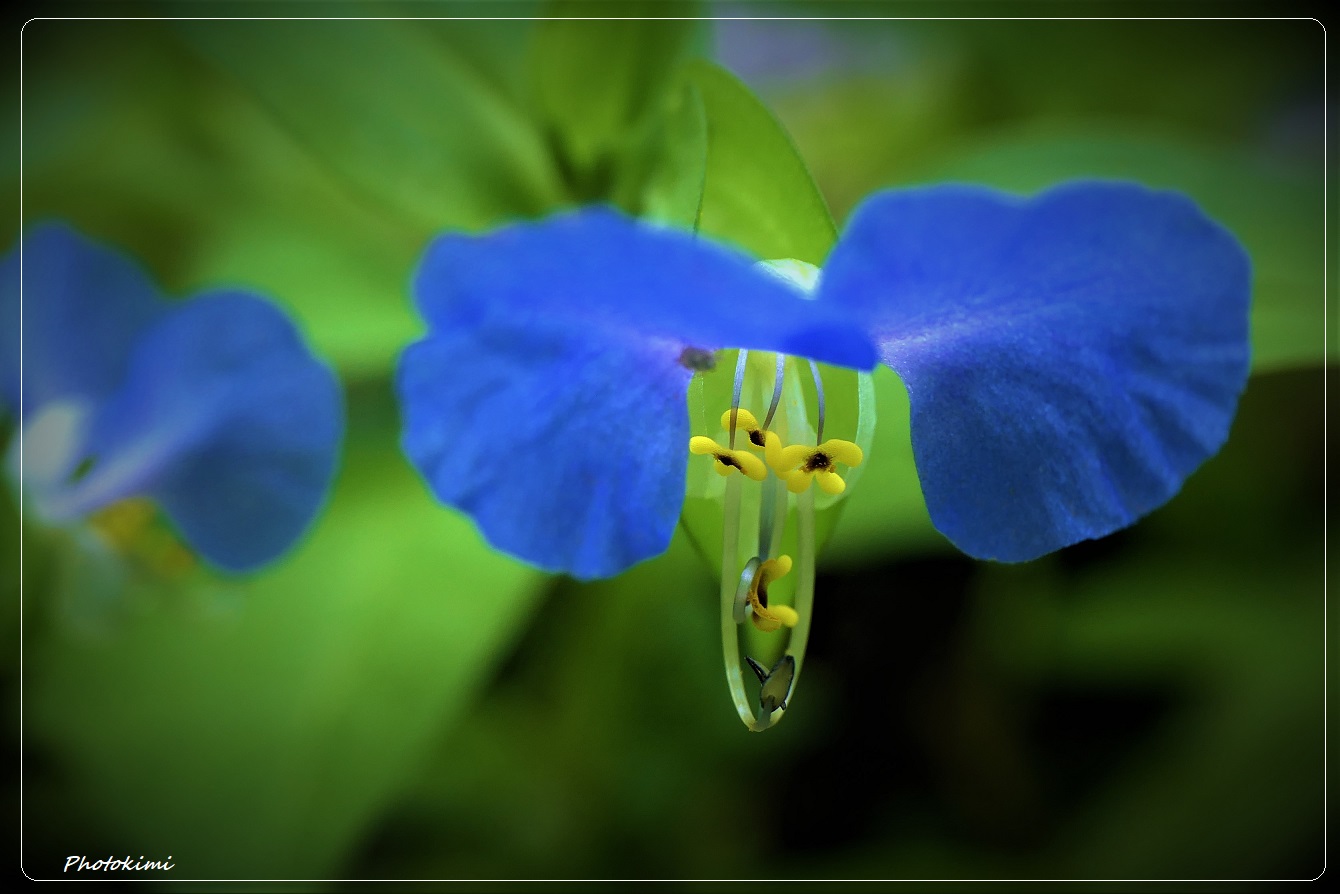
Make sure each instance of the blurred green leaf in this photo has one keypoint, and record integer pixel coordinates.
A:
(885, 97)
(138, 143)
(108, 126)
(640, 773)
(885, 515)
(1276, 210)
(260, 743)
(673, 191)
(757, 193)
(598, 83)
(391, 109)
(1204, 76)
(1241, 645)
(496, 49)
(341, 267)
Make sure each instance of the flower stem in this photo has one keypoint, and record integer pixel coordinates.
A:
(805, 567)
(730, 630)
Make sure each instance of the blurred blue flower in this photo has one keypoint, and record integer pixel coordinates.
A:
(1070, 359)
(213, 407)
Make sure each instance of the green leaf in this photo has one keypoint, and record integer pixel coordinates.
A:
(673, 191)
(288, 228)
(270, 220)
(757, 192)
(140, 144)
(1276, 210)
(496, 49)
(1240, 645)
(388, 107)
(886, 510)
(260, 742)
(599, 82)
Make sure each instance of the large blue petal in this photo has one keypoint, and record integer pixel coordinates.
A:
(1070, 359)
(83, 305)
(228, 421)
(548, 400)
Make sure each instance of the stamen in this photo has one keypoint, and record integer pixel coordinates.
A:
(818, 462)
(806, 547)
(730, 599)
(737, 418)
(727, 459)
(744, 420)
(819, 393)
(776, 391)
(779, 522)
(798, 465)
(133, 529)
(815, 464)
(740, 364)
(742, 591)
(766, 618)
(767, 515)
(123, 522)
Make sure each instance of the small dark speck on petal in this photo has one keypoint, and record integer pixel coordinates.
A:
(698, 360)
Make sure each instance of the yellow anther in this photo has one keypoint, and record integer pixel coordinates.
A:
(769, 618)
(133, 528)
(746, 422)
(797, 464)
(728, 459)
(781, 459)
(124, 522)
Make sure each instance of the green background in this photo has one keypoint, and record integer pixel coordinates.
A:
(395, 700)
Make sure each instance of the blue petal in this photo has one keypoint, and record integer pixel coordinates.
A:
(548, 400)
(228, 421)
(1070, 359)
(83, 305)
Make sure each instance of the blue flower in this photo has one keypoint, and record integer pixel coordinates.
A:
(213, 407)
(548, 400)
(1070, 359)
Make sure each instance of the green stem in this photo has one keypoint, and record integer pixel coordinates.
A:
(805, 566)
(730, 582)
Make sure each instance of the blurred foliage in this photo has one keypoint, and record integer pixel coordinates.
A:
(396, 700)
(469, 163)
(271, 722)
(601, 85)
